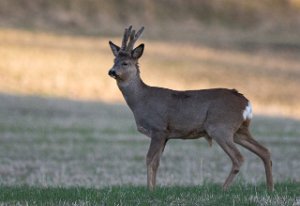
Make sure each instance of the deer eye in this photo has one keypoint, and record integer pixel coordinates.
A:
(124, 64)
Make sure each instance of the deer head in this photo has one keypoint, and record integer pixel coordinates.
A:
(125, 66)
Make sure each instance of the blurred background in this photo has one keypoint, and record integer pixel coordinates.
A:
(59, 47)
(64, 122)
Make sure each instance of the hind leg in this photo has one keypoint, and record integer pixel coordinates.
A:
(244, 138)
(225, 139)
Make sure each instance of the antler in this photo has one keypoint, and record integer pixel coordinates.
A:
(125, 38)
(132, 36)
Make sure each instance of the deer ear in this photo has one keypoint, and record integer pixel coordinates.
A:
(114, 48)
(138, 51)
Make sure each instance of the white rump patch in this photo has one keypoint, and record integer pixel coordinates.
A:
(247, 113)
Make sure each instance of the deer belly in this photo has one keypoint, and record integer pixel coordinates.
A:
(144, 130)
(184, 133)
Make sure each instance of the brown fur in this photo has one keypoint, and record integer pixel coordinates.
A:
(163, 114)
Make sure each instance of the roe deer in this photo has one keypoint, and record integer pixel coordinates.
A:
(220, 114)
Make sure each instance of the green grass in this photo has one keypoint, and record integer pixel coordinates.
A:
(208, 194)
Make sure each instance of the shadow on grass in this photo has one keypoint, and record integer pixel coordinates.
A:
(82, 143)
(103, 117)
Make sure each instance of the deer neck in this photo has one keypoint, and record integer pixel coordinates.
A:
(133, 91)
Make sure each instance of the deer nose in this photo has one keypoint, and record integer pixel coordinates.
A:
(112, 73)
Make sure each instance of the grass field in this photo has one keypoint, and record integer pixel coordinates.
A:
(57, 151)
(207, 194)
(66, 137)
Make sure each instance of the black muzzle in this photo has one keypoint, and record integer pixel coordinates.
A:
(112, 73)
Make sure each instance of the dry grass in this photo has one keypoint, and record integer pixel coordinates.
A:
(76, 67)
(56, 142)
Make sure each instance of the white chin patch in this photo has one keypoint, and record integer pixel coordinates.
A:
(247, 113)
